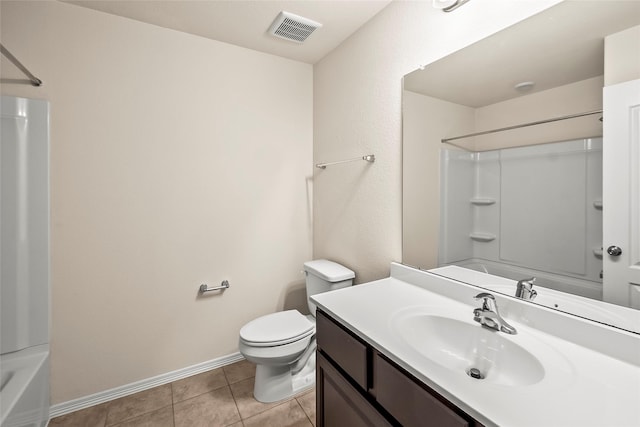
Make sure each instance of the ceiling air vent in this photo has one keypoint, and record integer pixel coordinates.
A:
(292, 27)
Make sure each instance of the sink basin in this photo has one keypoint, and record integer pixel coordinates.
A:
(460, 346)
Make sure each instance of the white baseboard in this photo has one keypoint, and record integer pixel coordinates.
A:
(127, 389)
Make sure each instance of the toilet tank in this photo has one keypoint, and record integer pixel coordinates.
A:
(323, 276)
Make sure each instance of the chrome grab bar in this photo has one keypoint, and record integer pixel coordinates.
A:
(205, 288)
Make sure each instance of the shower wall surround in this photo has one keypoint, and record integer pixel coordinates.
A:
(537, 207)
(24, 257)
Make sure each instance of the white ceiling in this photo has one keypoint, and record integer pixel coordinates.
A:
(561, 45)
(245, 23)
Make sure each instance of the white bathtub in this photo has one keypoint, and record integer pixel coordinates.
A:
(24, 387)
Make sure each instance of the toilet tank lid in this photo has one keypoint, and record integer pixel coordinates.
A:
(328, 270)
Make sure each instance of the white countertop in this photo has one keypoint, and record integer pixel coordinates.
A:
(581, 386)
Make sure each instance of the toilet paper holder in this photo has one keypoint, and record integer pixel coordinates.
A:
(205, 288)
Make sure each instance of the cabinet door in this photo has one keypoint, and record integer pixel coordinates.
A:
(342, 348)
(338, 403)
(410, 403)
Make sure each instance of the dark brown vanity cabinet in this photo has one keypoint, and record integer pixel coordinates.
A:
(358, 386)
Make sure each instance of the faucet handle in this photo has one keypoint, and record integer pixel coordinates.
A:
(488, 301)
(489, 316)
(528, 281)
(524, 289)
(483, 295)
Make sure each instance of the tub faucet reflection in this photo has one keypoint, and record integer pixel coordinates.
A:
(488, 315)
(524, 289)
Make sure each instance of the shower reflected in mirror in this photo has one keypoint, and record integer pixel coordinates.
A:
(515, 188)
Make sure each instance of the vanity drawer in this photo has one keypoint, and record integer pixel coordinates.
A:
(410, 403)
(343, 348)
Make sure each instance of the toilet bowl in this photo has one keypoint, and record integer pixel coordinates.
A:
(282, 345)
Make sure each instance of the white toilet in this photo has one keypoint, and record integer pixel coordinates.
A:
(283, 344)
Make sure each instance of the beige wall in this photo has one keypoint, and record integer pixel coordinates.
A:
(573, 98)
(176, 160)
(357, 111)
(622, 56)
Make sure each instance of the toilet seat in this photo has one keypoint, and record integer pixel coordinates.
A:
(283, 345)
(277, 329)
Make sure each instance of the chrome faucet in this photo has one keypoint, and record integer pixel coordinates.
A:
(525, 290)
(488, 315)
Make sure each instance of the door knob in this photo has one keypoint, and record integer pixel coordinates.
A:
(614, 251)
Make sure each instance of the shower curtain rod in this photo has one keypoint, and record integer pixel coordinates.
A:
(539, 122)
(33, 79)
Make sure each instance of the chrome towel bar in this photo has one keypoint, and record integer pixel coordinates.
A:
(369, 158)
(224, 285)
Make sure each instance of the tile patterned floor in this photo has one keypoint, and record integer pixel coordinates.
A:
(222, 397)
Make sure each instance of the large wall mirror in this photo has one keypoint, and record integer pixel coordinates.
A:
(503, 155)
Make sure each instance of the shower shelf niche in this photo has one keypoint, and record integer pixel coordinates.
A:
(482, 201)
(482, 237)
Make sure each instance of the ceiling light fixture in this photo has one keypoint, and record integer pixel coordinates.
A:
(448, 5)
(524, 86)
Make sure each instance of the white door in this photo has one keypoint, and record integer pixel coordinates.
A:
(621, 194)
